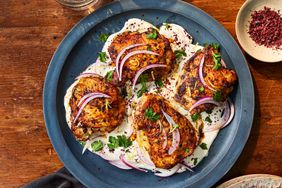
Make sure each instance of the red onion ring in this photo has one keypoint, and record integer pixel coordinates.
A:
(120, 164)
(132, 54)
(86, 74)
(122, 158)
(165, 139)
(205, 100)
(169, 172)
(142, 70)
(86, 102)
(223, 63)
(231, 108)
(122, 51)
(88, 95)
(201, 74)
(143, 158)
(175, 141)
(188, 167)
(229, 111)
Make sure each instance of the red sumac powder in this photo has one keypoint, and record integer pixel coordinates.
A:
(266, 28)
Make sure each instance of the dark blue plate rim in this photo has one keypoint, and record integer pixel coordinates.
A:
(81, 28)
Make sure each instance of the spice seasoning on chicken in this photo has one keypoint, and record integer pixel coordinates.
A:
(266, 28)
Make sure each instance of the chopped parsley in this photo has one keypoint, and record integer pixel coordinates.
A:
(149, 48)
(102, 57)
(109, 75)
(167, 26)
(143, 80)
(151, 115)
(215, 46)
(194, 117)
(175, 126)
(119, 141)
(103, 37)
(216, 59)
(179, 54)
(187, 150)
(217, 95)
(195, 161)
(152, 35)
(107, 104)
(97, 145)
(208, 119)
(159, 83)
(82, 143)
(203, 146)
(201, 89)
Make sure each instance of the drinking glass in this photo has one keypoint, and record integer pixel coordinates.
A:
(78, 4)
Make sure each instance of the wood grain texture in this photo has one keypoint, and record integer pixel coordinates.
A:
(31, 30)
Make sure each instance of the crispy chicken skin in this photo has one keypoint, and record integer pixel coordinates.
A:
(189, 88)
(100, 115)
(159, 45)
(150, 133)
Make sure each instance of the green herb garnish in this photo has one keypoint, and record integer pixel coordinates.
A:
(102, 57)
(152, 35)
(203, 146)
(201, 89)
(103, 37)
(194, 117)
(82, 143)
(179, 54)
(175, 126)
(215, 46)
(216, 59)
(143, 80)
(195, 161)
(159, 83)
(208, 119)
(167, 26)
(107, 104)
(119, 141)
(151, 115)
(97, 145)
(187, 150)
(149, 48)
(109, 75)
(217, 95)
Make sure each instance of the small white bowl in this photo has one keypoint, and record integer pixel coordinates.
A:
(261, 53)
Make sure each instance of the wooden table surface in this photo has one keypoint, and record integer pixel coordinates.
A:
(31, 30)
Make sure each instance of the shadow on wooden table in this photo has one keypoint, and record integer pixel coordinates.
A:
(271, 71)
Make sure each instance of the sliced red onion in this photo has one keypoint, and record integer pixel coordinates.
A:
(88, 95)
(169, 172)
(229, 111)
(165, 139)
(205, 100)
(122, 158)
(132, 54)
(223, 63)
(143, 158)
(201, 74)
(86, 74)
(122, 51)
(169, 119)
(86, 102)
(188, 167)
(87, 145)
(120, 164)
(142, 70)
(175, 141)
(231, 108)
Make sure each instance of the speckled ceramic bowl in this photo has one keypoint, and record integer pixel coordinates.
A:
(261, 53)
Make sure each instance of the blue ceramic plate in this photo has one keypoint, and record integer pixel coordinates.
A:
(79, 49)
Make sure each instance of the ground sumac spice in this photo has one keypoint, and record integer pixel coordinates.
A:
(266, 28)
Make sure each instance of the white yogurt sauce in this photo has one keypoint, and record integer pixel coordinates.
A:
(182, 41)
